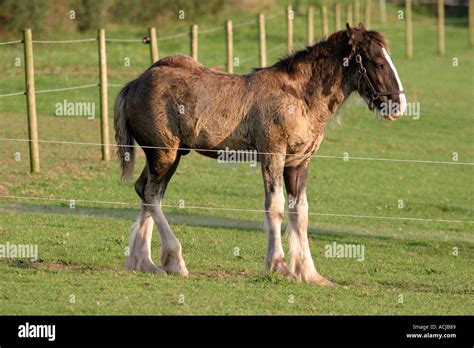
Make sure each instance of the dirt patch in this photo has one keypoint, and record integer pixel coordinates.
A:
(19, 263)
(53, 266)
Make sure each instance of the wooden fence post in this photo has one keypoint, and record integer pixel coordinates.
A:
(337, 15)
(471, 23)
(368, 13)
(440, 26)
(409, 29)
(356, 12)
(262, 40)
(289, 26)
(31, 101)
(153, 45)
(230, 47)
(383, 11)
(193, 37)
(349, 15)
(104, 105)
(310, 24)
(324, 20)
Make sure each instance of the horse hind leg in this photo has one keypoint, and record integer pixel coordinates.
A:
(162, 165)
(139, 257)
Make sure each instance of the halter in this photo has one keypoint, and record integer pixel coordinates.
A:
(374, 95)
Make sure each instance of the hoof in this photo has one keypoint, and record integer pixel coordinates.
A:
(311, 276)
(177, 270)
(319, 280)
(279, 266)
(174, 264)
(143, 265)
(315, 279)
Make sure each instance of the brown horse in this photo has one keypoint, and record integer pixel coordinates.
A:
(281, 112)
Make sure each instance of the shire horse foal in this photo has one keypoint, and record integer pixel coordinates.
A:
(281, 111)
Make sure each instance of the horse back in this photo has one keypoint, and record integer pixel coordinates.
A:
(178, 61)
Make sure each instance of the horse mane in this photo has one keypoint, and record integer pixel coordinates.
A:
(322, 48)
(337, 42)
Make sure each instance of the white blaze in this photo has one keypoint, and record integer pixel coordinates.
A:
(403, 100)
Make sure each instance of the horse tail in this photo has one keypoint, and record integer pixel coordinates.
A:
(123, 134)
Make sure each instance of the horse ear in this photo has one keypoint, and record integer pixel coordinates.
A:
(351, 36)
(349, 30)
(361, 27)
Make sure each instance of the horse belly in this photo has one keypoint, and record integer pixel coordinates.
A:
(224, 139)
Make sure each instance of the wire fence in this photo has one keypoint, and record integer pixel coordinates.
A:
(123, 40)
(11, 42)
(64, 41)
(245, 210)
(137, 40)
(344, 158)
(53, 90)
(12, 94)
(127, 40)
(186, 34)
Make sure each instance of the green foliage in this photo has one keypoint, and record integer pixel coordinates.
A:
(89, 14)
(144, 11)
(17, 14)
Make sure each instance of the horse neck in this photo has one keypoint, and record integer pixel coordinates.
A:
(327, 86)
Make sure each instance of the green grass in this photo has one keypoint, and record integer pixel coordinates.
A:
(81, 250)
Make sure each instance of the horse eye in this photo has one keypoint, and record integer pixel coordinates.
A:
(379, 66)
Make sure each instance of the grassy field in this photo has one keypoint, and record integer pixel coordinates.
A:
(408, 268)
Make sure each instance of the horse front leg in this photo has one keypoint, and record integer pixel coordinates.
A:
(301, 263)
(272, 170)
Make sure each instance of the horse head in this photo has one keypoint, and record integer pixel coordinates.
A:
(374, 75)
